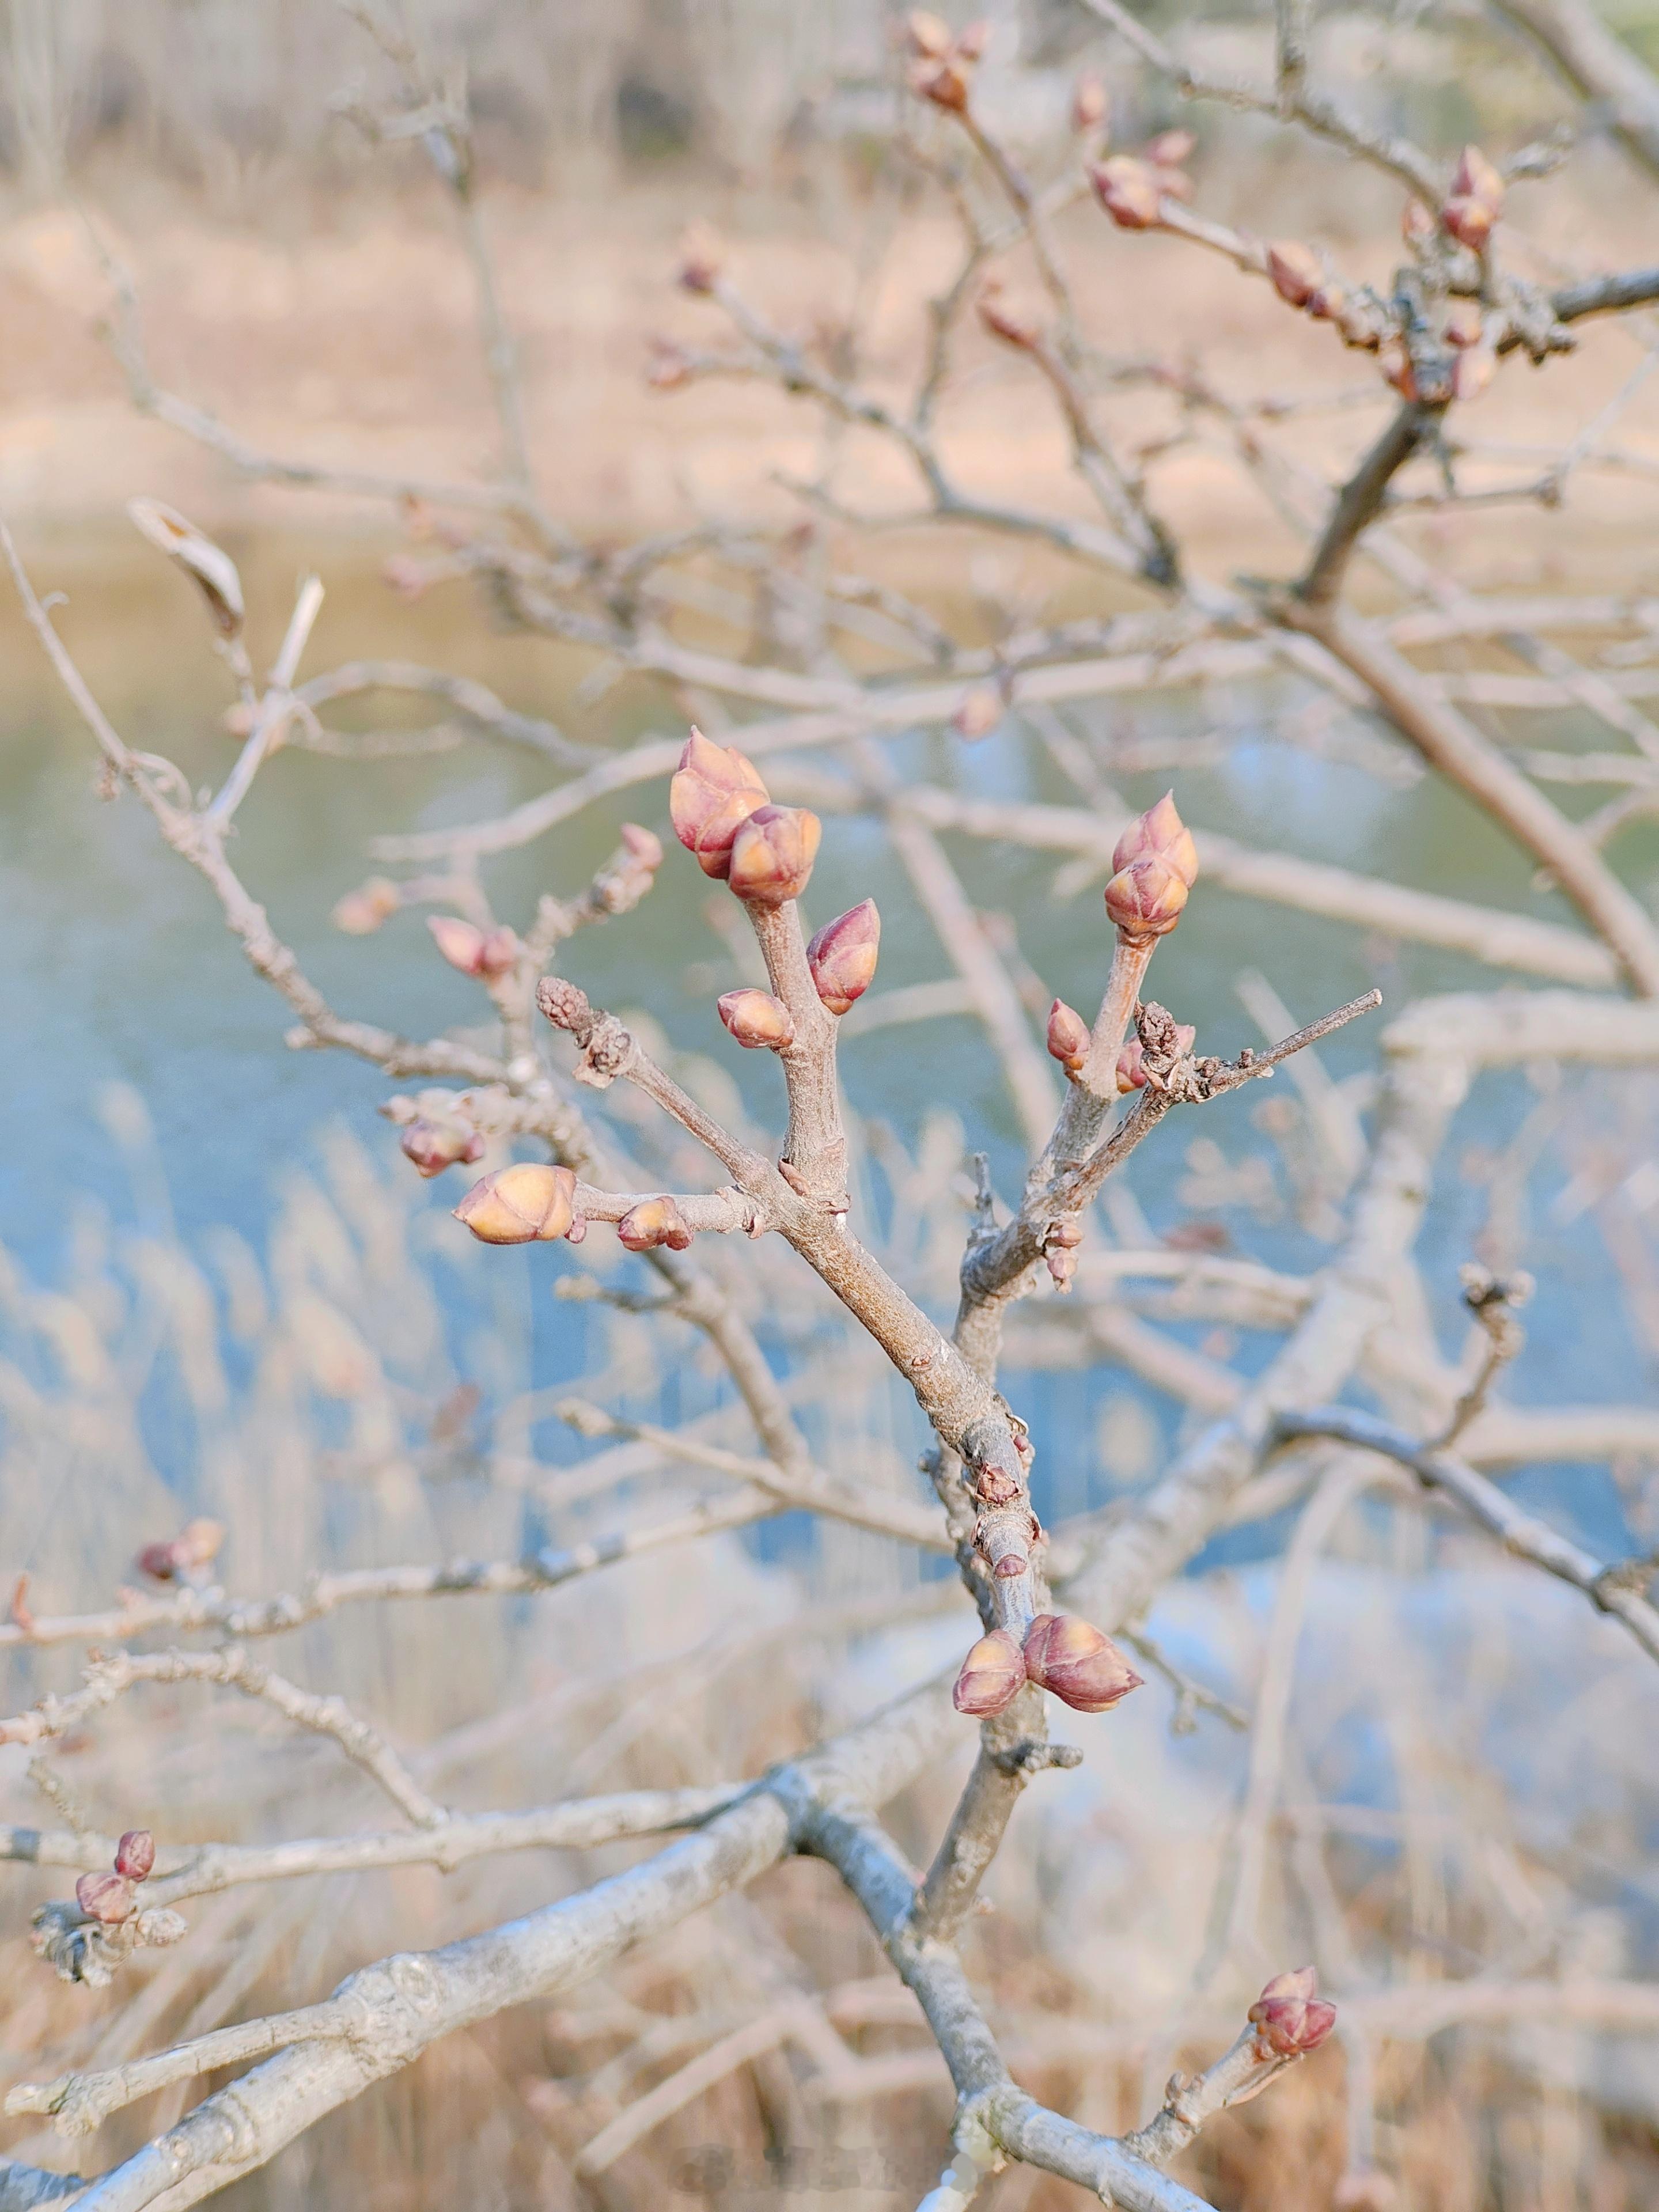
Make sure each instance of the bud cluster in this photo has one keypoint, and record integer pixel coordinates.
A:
(109, 1899)
(186, 1557)
(714, 790)
(942, 64)
(1080, 1665)
(1289, 2019)
(1132, 187)
(1156, 866)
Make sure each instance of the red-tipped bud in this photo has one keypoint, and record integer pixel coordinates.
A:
(1128, 191)
(1131, 1070)
(927, 35)
(432, 1147)
(1171, 150)
(1297, 270)
(105, 1896)
(772, 853)
(702, 257)
(945, 82)
(1395, 366)
(361, 913)
(185, 1556)
(756, 1019)
(1068, 1036)
(135, 1854)
(1088, 103)
(1462, 325)
(1005, 322)
(993, 1676)
(521, 1204)
(1289, 2019)
(1082, 1667)
(1160, 834)
(978, 712)
(643, 847)
(655, 1221)
(714, 792)
(1473, 371)
(1146, 900)
(1468, 221)
(842, 956)
(1475, 178)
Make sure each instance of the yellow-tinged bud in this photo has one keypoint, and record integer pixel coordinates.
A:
(1082, 1667)
(1395, 366)
(521, 1204)
(1146, 900)
(1462, 325)
(655, 1221)
(993, 1676)
(842, 956)
(1469, 220)
(756, 1019)
(1160, 834)
(1128, 191)
(361, 913)
(772, 853)
(1289, 2019)
(1297, 270)
(1131, 1070)
(1475, 178)
(714, 790)
(1068, 1036)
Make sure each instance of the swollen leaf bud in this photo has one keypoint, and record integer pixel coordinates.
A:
(1297, 270)
(209, 567)
(655, 1221)
(772, 853)
(1081, 1666)
(1146, 900)
(1160, 834)
(1128, 191)
(1068, 1036)
(1131, 1069)
(1469, 220)
(135, 1854)
(842, 955)
(756, 1018)
(1474, 178)
(1289, 2019)
(993, 1676)
(521, 1204)
(643, 847)
(714, 792)
(107, 1898)
(475, 952)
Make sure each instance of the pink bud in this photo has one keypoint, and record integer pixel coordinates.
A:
(772, 854)
(1416, 223)
(105, 1896)
(714, 792)
(1462, 324)
(928, 35)
(1088, 103)
(135, 1854)
(1474, 178)
(1059, 1248)
(1005, 322)
(1128, 191)
(644, 846)
(978, 712)
(993, 1676)
(1295, 270)
(945, 82)
(842, 955)
(519, 1204)
(1289, 2019)
(1473, 371)
(756, 1018)
(1082, 1667)
(972, 39)
(1160, 834)
(160, 1561)
(1170, 149)
(432, 1147)
(1068, 1036)
(1468, 221)
(1395, 365)
(461, 943)
(702, 258)
(1131, 1070)
(1146, 900)
(655, 1221)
